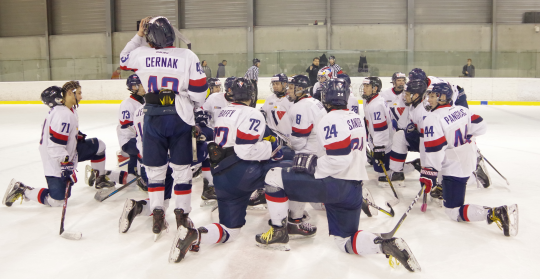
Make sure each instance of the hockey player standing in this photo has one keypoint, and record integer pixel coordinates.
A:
(335, 179)
(175, 84)
(277, 105)
(240, 161)
(399, 80)
(61, 147)
(378, 123)
(448, 149)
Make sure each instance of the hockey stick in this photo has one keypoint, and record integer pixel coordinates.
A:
(390, 234)
(107, 193)
(391, 213)
(63, 233)
(396, 201)
(194, 143)
(424, 203)
(283, 138)
(507, 183)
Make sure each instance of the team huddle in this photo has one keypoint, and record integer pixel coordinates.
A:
(307, 144)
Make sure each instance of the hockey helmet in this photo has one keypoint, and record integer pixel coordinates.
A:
(301, 85)
(336, 92)
(214, 84)
(283, 80)
(52, 96)
(228, 84)
(345, 77)
(242, 89)
(415, 87)
(131, 81)
(160, 32)
(325, 72)
(418, 74)
(398, 75)
(373, 81)
(440, 89)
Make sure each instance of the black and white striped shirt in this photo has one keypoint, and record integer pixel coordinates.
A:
(252, 73)
(336, 69)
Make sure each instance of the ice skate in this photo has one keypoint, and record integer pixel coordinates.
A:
(159, 224)
(506, 218)
(276, 238)
(182, 219)
(397, 248)
(257, 201)
(89, 176)
(208, 196)
(131, 209)
(398, 179)
(382, 181)
(184, 239)
(142, 185)
(369, 156)
(415, 163)
(481, 173)
(299, 228)
(368, 210)
(102, 181)
(14, 191)
(196, 171)
(436, 195)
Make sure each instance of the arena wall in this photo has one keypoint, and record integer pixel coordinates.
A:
(500, 90)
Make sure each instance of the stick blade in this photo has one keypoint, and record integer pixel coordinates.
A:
(424, 207)
(71, 235)
(392, 202)
(103, 194)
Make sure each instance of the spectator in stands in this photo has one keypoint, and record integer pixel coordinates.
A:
(313, 70)
(468, 70)
(221, 69)
(336, 69)
(206, 69)
(116, 73)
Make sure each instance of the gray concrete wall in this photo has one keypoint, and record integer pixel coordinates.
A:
(23, 58)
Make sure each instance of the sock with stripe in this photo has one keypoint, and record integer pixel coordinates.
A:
(156, 193)
(397, 160)
(120, 177)
(467, 213)
(206, 172)
(98, 163)
(361, 243)
(217, 233)
(183, 197)
(276, 198)
(37, 194)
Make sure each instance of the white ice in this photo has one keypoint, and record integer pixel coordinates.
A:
(31, 248)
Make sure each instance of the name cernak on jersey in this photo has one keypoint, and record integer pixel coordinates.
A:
(354, 123)
(163, 62)
(454, 116)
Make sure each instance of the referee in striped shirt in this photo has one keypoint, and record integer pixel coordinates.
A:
(253, 75)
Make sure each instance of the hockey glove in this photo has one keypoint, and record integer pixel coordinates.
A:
(277, 153)
(81, 137)
(428, 178)
(378, 153)
(67, 171)
(304, 163)
(201, 118)
(411, 128)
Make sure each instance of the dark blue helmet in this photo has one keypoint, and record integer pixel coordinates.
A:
(52, 96)
(300, 82)
(442, 89)
(229, 83)
(336, 92)
(131, 81)
(415, 87)
(345, 77)
(418, 74)
(282, 78)
(242, 90)
(160, 32)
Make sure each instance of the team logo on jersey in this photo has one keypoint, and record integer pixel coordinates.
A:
(124, 59)
(400, 110)
(280, 114)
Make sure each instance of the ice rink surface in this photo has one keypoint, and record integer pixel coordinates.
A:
(31, 248)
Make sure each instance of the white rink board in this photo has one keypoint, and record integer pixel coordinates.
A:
(31, 247)
(477, 89)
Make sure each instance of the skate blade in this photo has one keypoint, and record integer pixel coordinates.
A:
(513, 217)
(411, 262)
(101, 194)
(208, 203)
(9, 188)
(275, 246)
(299, 236)
(123, 224)
(257, 207)
(71, 235)
(157, 236)
(87, 171)
(175, 253)
(396, 184)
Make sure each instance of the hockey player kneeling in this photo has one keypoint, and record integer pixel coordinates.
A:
(449, 149)
(335, 179)
(240, 159)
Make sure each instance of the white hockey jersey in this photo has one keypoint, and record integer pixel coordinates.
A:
(353, 105)
(389, 94)
(399, 112)
(173, 68)
(448, 148)
(242, 127)
(138, 124)
(455, 91)
(277, 117)
(213, 105)
(343, 136)
(379, 122)
(305, 115)
(59, 139)
(126, 114)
